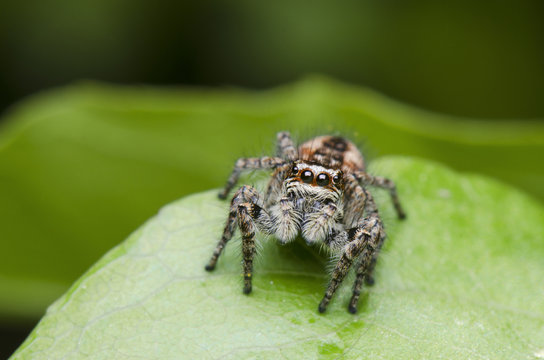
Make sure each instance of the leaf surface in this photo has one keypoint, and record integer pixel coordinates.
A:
(460, 278)
(81, 167)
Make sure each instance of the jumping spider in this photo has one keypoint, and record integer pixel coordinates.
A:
(318, 191)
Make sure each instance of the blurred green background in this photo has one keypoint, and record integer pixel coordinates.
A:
(469, 58)
(83, 165)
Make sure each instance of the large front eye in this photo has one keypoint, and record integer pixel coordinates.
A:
(307, 176)
(322, 179)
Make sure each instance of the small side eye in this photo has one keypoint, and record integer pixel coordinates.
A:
(336, 179)
(322, 179)
(294, 169)
(307, 176)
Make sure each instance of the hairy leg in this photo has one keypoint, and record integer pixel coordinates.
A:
(362, 240)
(285, 146)
(356, 202)
(249, 164)
(246, 194)
(362, 213)
(370, 210)
(248, 229)
(317, 226)
(384, 183)
(367, 261)
(274, 188)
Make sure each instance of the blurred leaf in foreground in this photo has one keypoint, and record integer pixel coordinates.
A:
(460, 278)
(83, 166)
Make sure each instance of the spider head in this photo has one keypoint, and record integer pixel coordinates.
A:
(311, 175)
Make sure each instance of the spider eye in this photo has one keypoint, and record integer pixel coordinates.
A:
(336, 178)
(322, 179)
(307, 176)
(294, 170)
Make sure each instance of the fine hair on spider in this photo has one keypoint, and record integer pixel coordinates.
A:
(317, 190)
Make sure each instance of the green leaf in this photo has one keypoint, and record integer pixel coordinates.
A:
(81, 167)
(460, 278)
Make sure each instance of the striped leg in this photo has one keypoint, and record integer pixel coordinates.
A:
(285, 146)
(273, 190)
(317, 226)
(247, 228)
(370, 210)
(262, 163)
(246, 194)
(365, 270)
(363, 240)
(384, 183)
(365, 267)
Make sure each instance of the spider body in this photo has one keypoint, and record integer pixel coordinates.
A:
(317, 190)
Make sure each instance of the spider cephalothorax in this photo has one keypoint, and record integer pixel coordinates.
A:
(317, 191)
(316, 194)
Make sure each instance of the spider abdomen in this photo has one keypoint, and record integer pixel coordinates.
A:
(333, 152)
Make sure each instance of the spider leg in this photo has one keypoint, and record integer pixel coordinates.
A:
(246, 214)
(367, 261)
(318, 226)
(364, 203)
(383, 183)
(285, 146)
(362, 241)
(261, 163)
(245, 195)
(368, 273)
(273, 190)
